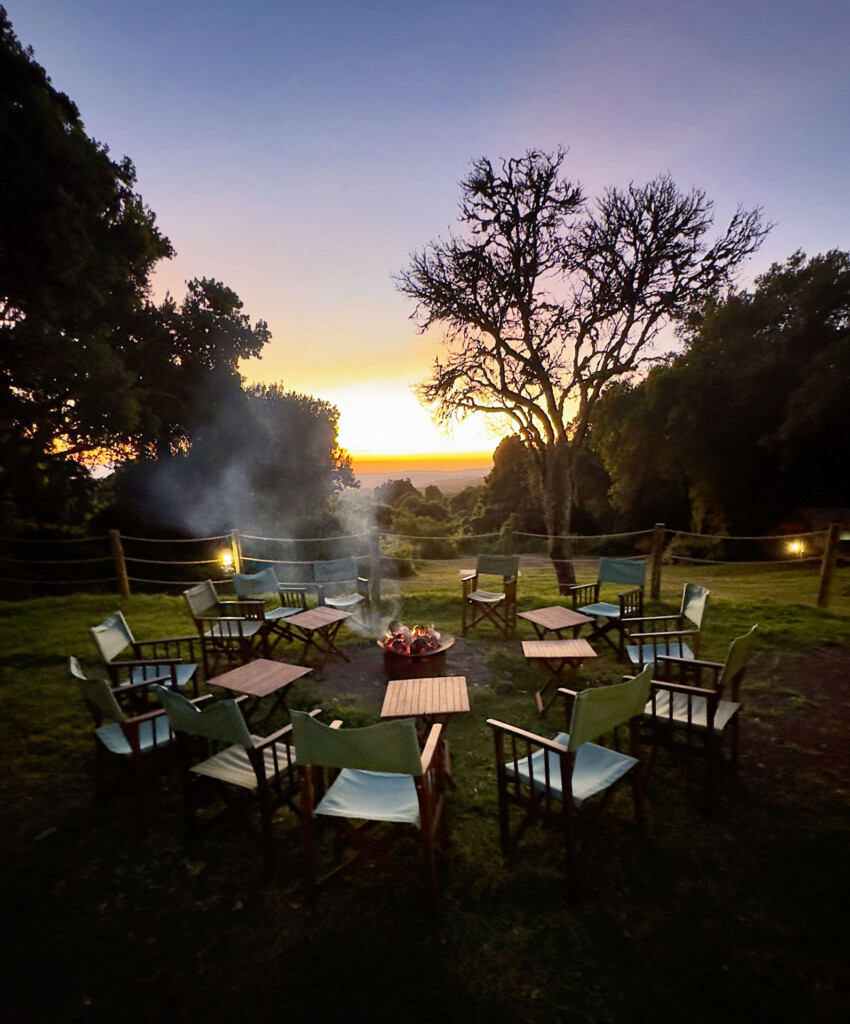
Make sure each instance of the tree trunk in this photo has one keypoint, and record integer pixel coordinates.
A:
(558, 495)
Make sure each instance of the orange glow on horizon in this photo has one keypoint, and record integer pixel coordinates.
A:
(436, 461)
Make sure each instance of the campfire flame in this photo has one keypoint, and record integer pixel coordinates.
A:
(410, 639)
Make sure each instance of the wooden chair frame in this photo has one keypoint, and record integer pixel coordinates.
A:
(432, 834)
(153, 660)
(272, 760)
(291, 600)
(500, 609)
(699, 700)
(235, 631)
(669, 629)
(536, 797)
(629, 603)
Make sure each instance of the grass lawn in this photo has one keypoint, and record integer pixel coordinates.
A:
(738, 916)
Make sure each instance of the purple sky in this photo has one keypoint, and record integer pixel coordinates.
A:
(299, 151)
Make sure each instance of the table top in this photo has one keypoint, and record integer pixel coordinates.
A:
(563, 649)
(555, 617)
(261, 677)
(440, 695)
(317, 618)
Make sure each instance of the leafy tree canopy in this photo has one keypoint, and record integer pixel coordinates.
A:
(749, 422)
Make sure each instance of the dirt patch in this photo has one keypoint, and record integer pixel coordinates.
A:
(796, 716)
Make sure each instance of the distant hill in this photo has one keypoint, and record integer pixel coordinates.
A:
(450, 481)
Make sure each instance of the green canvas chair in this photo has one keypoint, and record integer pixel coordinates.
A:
(339, 584)
(362, 779)
(133, 741)
(280, 602)
(591, 599)
(650, 637)
(553, 778)
(230, 631)
(495, 606)
(149, 660)
(246, 769)
(697, 702)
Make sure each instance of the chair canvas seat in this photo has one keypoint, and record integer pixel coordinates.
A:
(373, 796)
(639, 656)
(596, 769)
(601, 608)
(183, 673)
(486, 596)
(233, 765)
(726, 711)
(275, 614)
(344, 603)
(155, 732)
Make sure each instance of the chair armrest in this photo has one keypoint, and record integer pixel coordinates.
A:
(141, 662)
(141, 685)
(630, 602)
(523, 734)
(652, 618)
(167, 640)
(691, 691)
(657, 636)
(430, 747)
(248, 608)
(469, 584)
(583, 593)
(691, 662)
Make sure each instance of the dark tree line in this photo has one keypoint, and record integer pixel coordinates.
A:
(750, 422)
(92, 370)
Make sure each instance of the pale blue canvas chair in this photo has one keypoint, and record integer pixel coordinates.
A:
(362, 779)
(498, 605)
(280, 602)
(553, 778)
(230, 631)
(128, 660)
(339, 584)
(591, 599)
(650, 637)
(246, 769)
(697, 702)
(134, 740)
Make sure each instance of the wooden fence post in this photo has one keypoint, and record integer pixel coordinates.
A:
(657, 556)
(830, 556)
(374, 565)
(236, 548)
(117, 550)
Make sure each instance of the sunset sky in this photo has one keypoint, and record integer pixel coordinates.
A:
(299, 150)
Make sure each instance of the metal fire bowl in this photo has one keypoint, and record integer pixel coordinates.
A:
(399, 665)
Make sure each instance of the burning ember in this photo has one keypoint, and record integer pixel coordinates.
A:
(402, 639)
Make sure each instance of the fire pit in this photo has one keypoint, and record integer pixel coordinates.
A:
(414, 652)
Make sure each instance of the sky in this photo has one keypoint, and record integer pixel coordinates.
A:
(301, 150)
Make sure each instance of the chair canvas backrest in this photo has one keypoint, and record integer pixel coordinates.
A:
(598, 709)
(386, 747)
(619, 570)
(695, 603)
(255, 584)
(335, 570)
(739, 655)
(201, 599)
(498, 565)
(111, 636)
(97, 692)
(218, 720)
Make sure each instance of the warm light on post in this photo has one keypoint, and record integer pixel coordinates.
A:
(226, 559)
(796, 548)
